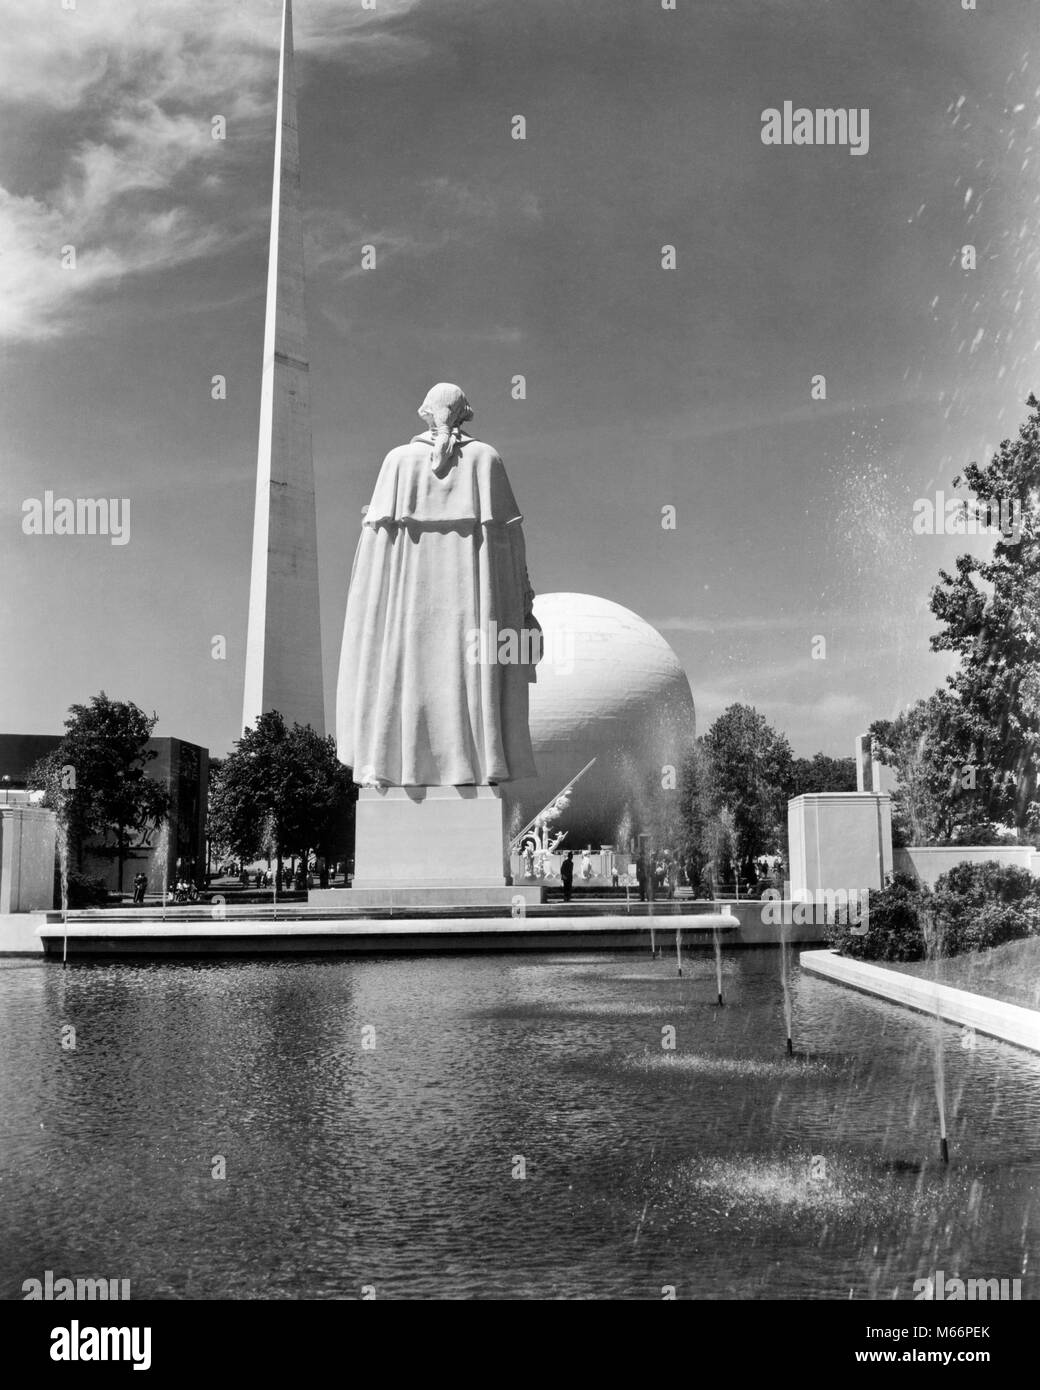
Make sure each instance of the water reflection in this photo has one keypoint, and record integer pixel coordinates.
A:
(662, 1140)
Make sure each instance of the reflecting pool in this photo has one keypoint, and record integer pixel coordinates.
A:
(501, 1125)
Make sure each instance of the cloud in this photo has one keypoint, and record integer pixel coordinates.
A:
(124, 92)
(451, 211)
(689, 624)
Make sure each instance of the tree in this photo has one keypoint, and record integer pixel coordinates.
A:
(284, 788)
(694, 813)
(215, 848)
(748, 774)
(990, 610)
(821, 773)
(930, 749)
(96, 778)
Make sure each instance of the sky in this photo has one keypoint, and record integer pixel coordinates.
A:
(646, 388)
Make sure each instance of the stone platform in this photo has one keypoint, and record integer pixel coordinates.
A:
(101, 939)
(422, 895)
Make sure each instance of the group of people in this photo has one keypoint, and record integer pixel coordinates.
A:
(657, 876)
(662, 875)
(281, 879)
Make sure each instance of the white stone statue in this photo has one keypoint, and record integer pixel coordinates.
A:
(439, 643)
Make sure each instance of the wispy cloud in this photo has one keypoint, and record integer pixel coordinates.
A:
(127, 90)
(691, 624)
(450, 211)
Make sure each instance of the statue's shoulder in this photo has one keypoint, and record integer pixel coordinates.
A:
(482, 454)
(407, 453)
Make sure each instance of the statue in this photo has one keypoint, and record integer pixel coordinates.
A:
(440, 642)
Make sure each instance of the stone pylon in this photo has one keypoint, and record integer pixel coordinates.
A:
(283, 646)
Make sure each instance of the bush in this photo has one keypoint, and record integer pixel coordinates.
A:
(988, 882)
(893, 925)
(977, 906)
(85, 890)
(994, 925)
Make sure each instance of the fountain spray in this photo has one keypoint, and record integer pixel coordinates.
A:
(787, 989)
(63, 862)
(940, 1087)
(164, 844)
(678, 949)
(933, 948)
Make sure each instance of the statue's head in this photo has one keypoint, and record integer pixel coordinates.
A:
(445, 407)
(445, 410)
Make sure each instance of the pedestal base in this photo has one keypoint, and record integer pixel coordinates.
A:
(430, 837)
(422, 898)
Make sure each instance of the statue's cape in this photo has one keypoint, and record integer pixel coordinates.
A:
(470, 487)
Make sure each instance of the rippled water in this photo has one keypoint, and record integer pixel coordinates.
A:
(721, 1167)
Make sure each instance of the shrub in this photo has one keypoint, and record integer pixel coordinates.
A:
(988, 882)
(994, 925)
(977, 906)
(972, 908)
(893, 925)
(85, 890)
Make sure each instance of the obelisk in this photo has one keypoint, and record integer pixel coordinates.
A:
(283, 647)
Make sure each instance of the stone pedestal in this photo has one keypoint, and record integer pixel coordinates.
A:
(839, 840)
(430, 837)
(27, 837)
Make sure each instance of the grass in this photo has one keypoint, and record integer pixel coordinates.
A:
(1010, 973)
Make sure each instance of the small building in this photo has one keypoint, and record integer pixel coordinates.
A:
(176, 849)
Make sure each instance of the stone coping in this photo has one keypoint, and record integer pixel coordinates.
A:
(396, 926)
(1008, 1022)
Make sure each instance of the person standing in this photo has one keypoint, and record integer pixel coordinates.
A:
(641, 875)
(140, 884)
(567, 875)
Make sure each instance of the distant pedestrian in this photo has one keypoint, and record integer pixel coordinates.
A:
(641, 876)
(140, 884)
(567, 875)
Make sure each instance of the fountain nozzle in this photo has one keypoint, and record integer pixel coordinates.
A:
(790, 1046)
(944, 1149)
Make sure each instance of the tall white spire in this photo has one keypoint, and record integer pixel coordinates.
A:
(283, 646)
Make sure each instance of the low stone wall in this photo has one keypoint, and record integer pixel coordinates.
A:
(927, 862)
(18, 933)
(758, 925)
(1009, 1022)
(194, 931)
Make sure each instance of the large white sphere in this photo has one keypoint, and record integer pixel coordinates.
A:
(609, 687)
